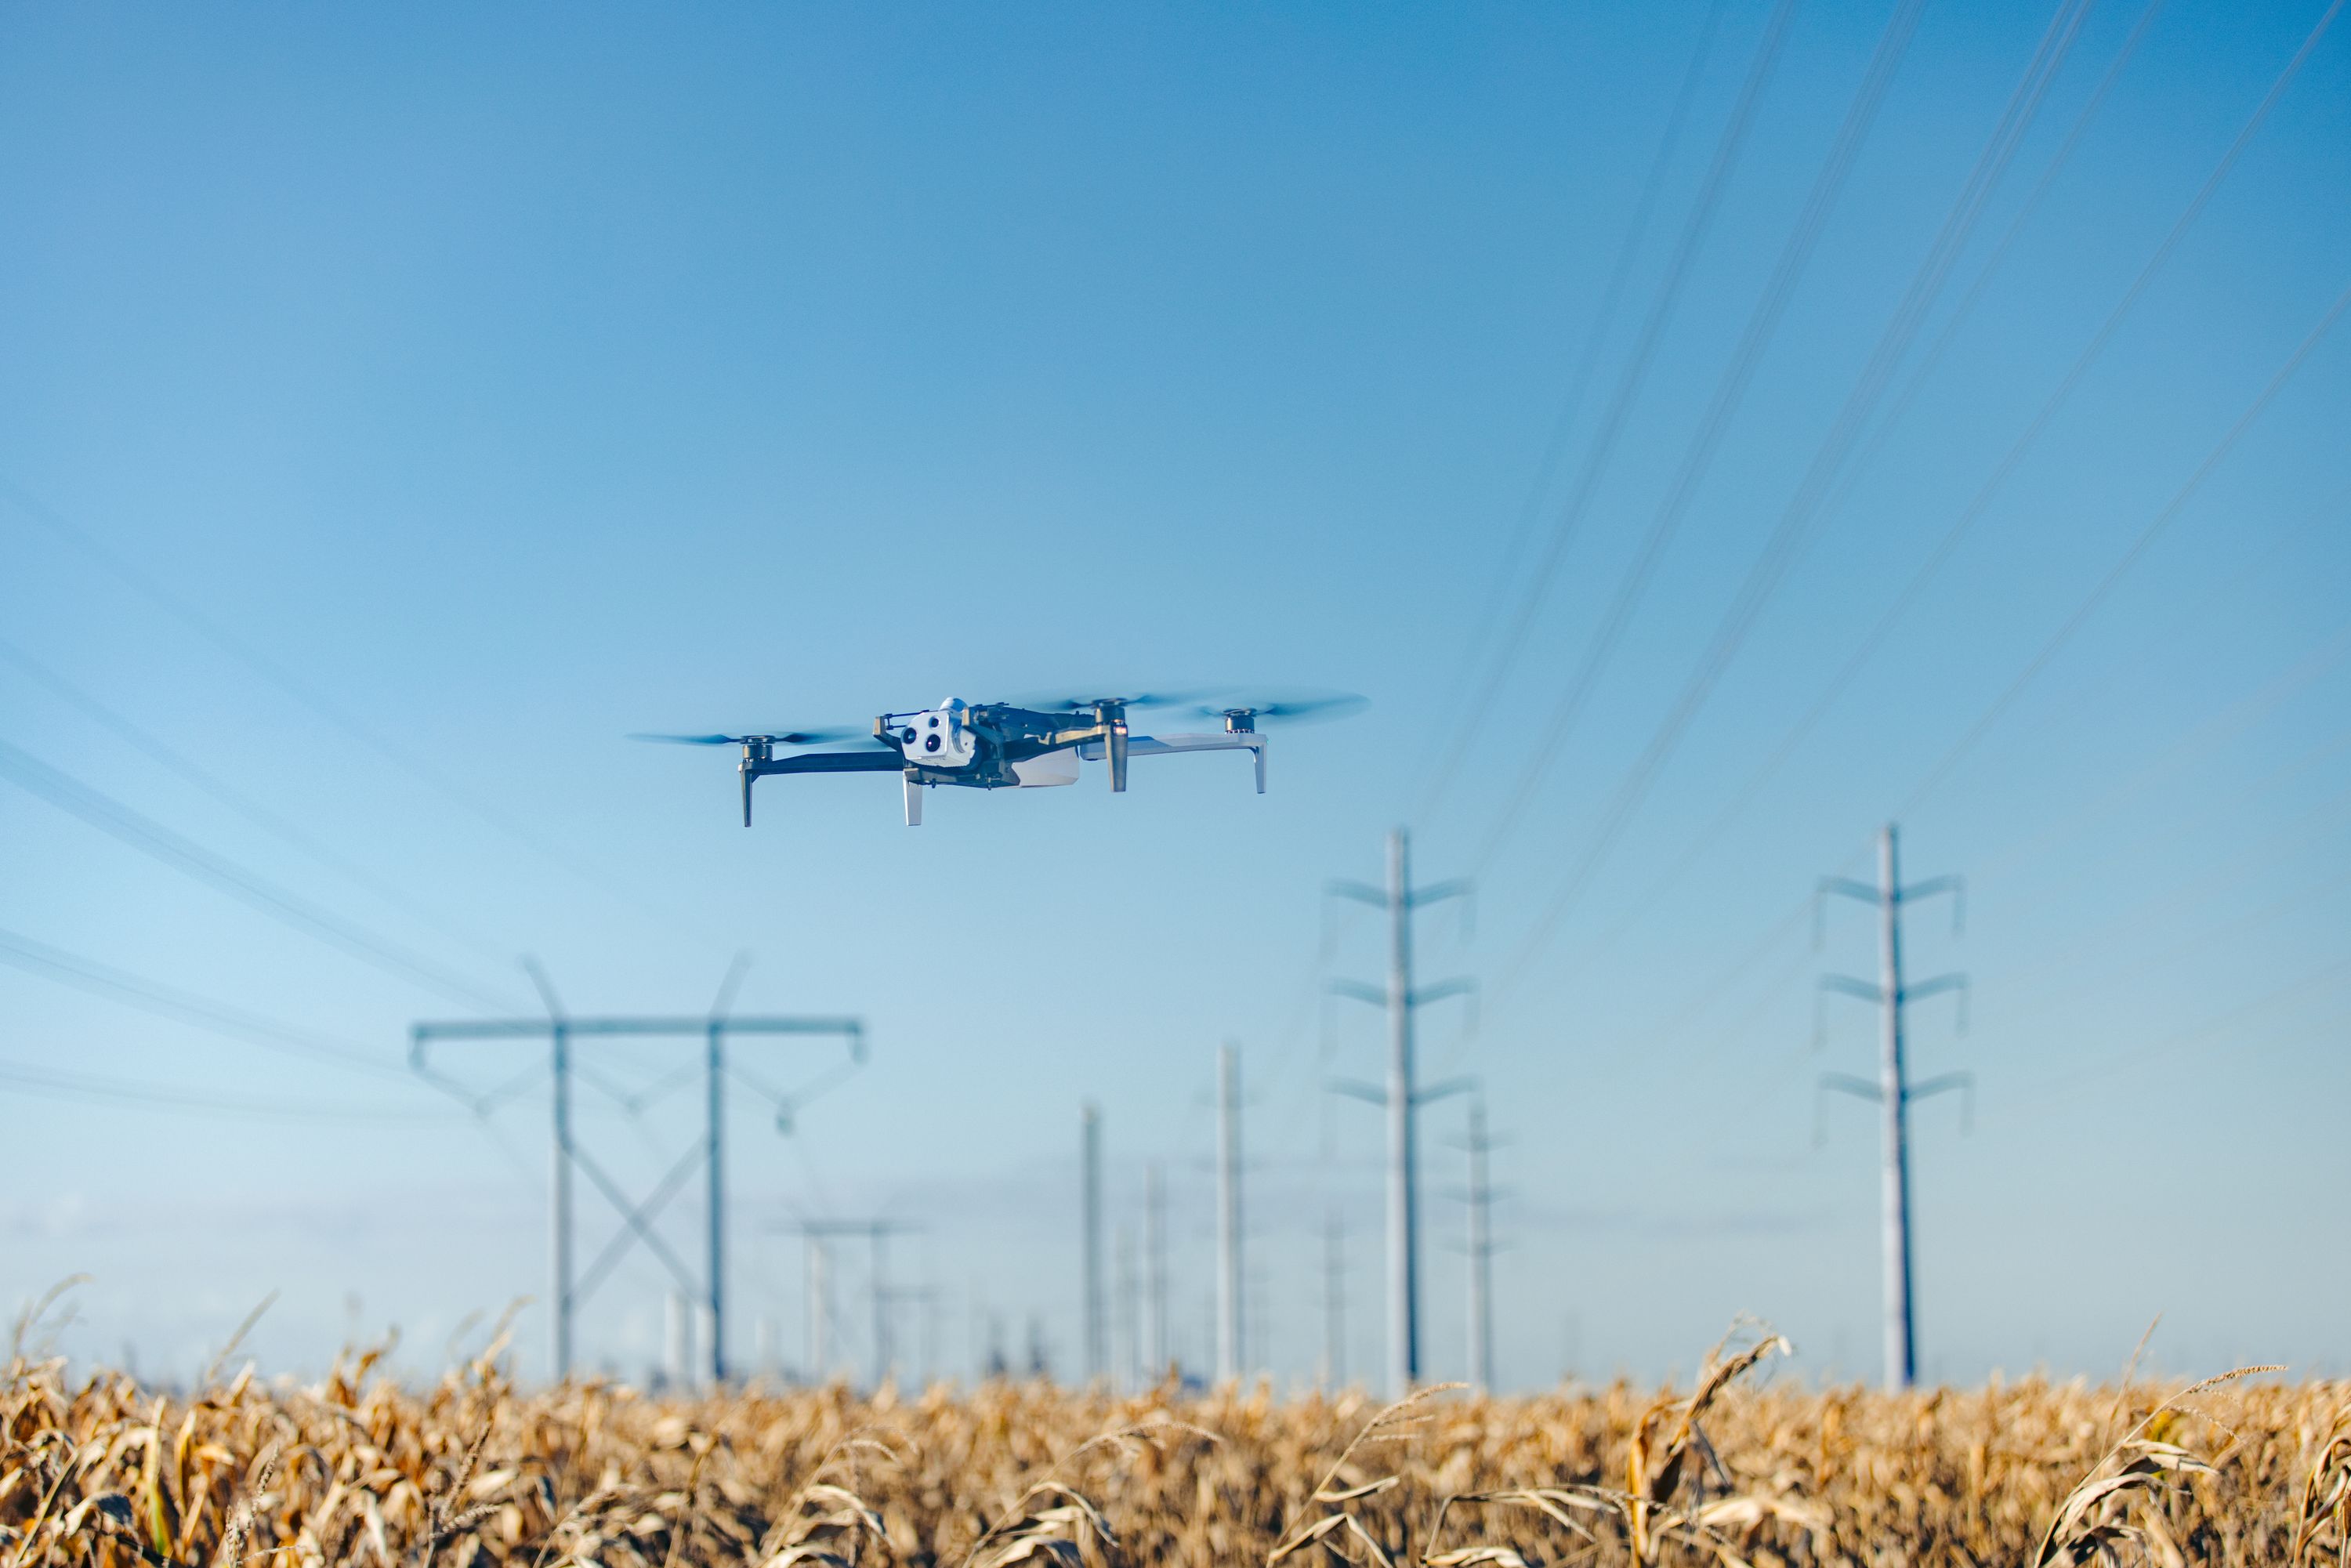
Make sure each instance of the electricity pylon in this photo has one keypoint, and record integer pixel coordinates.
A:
(1230, 1284)
(1090, 1221)
(875, 1233)
(1480, 1248)
(1401, 1096)
(1893, 1091)
(561, 1031)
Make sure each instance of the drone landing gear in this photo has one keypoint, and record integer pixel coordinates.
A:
(914, 799)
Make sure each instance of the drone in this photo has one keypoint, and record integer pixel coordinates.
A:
(1038, 743)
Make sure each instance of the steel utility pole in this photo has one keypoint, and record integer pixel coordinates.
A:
(1091, 1219)
(929, 1298)
(819, 1349)
(1126, 1354)
(1228, 1212)
(1480, 1198)
(1334, 1299)
(1154, 1269)
(875, 1233)
(567, 1288)
(1401, 1096)
(1893, 1091)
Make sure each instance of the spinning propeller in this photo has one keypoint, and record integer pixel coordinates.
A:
(1243, 713)
(1055, 703)
(785, 738)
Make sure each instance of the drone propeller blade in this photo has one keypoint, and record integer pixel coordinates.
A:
(1056, 703)
(821, 737)
(780, 738)
(1285, 707)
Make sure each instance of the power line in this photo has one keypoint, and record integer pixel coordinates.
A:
(2138, 1059)
(23, 952)
(2210, 735)
(115, 1091)
(1778, 558)
(310, 697)
(1628, 386)
(1636, 786)
(2206, 737)
(1729, 394)
(2065, 964)
(1605, 319)
(2131, 557)
(151, 838)
(236, 800)
(1742, 1030)
(1929, 361)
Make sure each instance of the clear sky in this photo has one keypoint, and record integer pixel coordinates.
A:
(399, 406)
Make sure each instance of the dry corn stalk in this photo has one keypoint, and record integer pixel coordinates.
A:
(357, 1468)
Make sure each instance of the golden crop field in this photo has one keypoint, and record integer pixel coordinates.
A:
(471, 1472)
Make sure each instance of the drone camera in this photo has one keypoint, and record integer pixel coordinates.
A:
(934, 738)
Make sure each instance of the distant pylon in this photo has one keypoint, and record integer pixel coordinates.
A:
(1090, 1221)
(1335, 1298)
(876, 1233)
(1155, 1273)
(1479, 1249)
(567, 1288)
(1893, 1091)
(1228, 1212)
(1401, 1096)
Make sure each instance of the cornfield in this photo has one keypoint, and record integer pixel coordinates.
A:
(474, 1472)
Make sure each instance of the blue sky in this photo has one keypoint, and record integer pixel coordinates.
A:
(401, 406)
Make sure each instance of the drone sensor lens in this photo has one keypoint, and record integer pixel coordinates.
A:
(930, 743)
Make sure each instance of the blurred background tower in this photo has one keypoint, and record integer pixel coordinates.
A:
(1478, 1247)
(568, 1288)
(1401, 1096)
(1334, 1299)
(1228, 1212)
(1154, 1271)
(1090, 1221)
(1893, 1091)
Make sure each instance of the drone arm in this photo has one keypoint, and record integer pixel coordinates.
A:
(833, 762)
(1170, 745)
(816, 762)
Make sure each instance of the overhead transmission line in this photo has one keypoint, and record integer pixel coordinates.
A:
(1603, 320)
(2213, 733)
(1770, 570)
(1902, 328)
(158, 842)
(1629, 380)
(86, 1087)
(2207, 737)
(317, 702)
(2106, 586)
(1729, 394)
(2138, 1059)
(26, 955)
(1932, 359)
(1787, 1065)
(1634, 789)
(2140, 963)
(243, 805)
